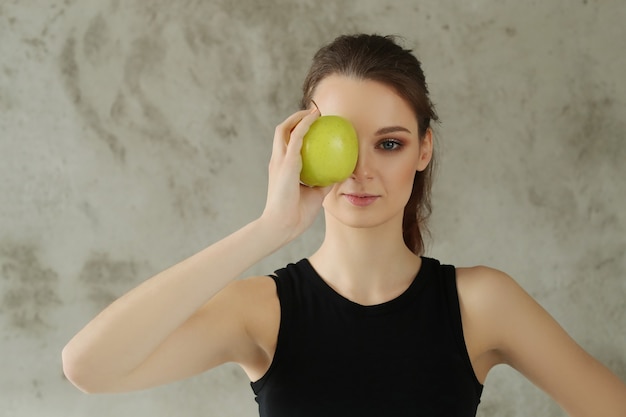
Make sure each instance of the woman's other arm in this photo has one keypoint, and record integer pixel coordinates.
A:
(520, 333)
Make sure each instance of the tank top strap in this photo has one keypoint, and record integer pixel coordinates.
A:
(448, 276)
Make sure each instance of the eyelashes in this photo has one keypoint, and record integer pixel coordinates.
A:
(390, 145)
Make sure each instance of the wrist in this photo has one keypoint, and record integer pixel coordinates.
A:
(274, 232)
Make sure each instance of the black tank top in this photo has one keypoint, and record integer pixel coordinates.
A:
(334, 357)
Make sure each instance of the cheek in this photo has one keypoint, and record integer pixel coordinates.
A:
(404, 176)
(332, 194)
(405, 173)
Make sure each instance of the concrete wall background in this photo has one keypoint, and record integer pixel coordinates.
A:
(132, 134)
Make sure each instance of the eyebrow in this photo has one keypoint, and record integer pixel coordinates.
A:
(391, 129)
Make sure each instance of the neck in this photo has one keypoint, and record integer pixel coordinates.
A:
(367, 265)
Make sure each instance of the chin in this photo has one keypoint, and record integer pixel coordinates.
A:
(363, 219)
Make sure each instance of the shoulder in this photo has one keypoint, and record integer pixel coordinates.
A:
(252, 286)
(501, 317)
(256, 289)
(497, 312)
(252, 297)
(493, 294)
(250, 305)
(487, 287)
(488, 298)
(242, 301)
(488, 293)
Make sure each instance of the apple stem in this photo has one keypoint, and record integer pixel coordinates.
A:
(316, 106)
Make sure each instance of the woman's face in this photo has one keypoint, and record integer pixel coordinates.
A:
(390, 151)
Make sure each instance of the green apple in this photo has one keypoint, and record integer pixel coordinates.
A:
(330, 149)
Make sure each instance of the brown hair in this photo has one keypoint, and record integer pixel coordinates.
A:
(382, 59)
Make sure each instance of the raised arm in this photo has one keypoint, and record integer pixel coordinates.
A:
(523, 335)
(174, 324)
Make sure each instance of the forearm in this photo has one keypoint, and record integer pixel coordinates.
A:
(122, 336)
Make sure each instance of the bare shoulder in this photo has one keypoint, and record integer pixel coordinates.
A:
(258, 308)
(484, 280)
(255, 288)
(504, 324)
(492, 300)
(256, 301)
(486, 292)
(483, 294)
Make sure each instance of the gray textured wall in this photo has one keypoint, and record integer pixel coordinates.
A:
(132, 134)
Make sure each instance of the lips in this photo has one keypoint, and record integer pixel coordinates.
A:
(361, 200)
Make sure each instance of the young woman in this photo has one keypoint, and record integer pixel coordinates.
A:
(366, 325)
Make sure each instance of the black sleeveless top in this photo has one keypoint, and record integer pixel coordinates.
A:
(334, 357)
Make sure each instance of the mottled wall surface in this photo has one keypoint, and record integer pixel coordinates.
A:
(132, 134)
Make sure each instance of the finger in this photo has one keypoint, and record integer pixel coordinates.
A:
(296, 136)
(281, 134)
(287, 126)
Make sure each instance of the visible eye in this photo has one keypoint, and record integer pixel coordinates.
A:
(389, 145)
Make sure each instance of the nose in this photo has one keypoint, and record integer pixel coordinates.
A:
(363, 169)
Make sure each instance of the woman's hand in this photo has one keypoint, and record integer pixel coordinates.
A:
(291, 207)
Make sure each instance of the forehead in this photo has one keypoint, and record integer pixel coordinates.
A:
(366, 103)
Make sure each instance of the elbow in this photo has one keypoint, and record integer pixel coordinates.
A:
(78, 373)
